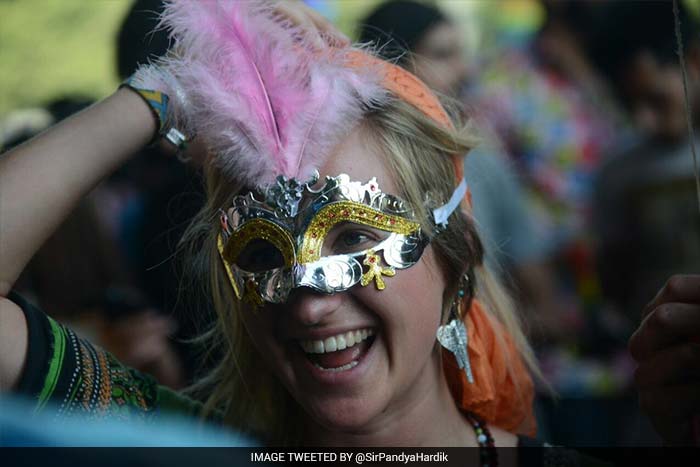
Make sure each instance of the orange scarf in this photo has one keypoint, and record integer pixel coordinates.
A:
(503, 392)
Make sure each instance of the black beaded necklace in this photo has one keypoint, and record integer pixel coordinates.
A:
(488, 456)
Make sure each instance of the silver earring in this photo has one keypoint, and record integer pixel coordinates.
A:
(453, 335)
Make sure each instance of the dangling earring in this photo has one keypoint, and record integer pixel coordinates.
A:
(453, 335)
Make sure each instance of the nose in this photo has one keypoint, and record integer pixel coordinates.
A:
(312, 308)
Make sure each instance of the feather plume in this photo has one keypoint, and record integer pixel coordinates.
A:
(264, 100)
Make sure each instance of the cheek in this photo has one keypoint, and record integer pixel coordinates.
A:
(409, 307)
(260, 328)
(419, 294)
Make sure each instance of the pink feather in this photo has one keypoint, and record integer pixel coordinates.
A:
(250, 85)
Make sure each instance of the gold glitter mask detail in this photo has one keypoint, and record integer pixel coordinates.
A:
(260, 229)
(348, 211)
(375, 271)
(296, 219)
(227, 267)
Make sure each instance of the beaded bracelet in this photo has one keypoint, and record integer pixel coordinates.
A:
(158, 102)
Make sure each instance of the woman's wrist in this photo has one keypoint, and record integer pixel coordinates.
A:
(162, 108)
(138, 108)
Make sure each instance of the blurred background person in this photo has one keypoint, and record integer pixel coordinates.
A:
(647, 204)
(558, 120)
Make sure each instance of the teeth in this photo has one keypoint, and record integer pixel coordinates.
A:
(330, 345)
(337, 342)
(347, 366)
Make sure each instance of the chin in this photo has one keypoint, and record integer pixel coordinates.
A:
(351, 415)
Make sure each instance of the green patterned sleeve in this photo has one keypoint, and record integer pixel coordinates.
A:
(69, 375)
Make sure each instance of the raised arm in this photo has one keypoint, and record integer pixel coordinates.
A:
(41, 182)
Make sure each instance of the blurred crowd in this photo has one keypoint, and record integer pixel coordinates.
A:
(583, 188)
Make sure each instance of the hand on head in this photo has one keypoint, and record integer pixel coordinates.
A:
(316, 28)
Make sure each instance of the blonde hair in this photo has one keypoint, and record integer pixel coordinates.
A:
(418, 153)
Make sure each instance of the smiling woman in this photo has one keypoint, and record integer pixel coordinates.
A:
(329, 293)
(364, 359)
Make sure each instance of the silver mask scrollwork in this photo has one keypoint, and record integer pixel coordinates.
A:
(272, 240)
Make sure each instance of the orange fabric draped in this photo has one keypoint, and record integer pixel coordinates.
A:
(503, 392)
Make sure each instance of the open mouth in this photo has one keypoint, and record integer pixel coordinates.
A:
(341, 352)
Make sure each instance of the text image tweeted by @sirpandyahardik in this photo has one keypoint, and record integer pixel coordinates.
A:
(355, 457)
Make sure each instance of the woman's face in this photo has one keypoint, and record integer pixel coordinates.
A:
(440, 61)
(394, 366)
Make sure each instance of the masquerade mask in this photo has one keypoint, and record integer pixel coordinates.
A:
(273, 241)
(270, 107)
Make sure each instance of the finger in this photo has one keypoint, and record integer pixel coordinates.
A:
(679, 288)
(296, 15)
(311, 35)
(675, 365)
(332, 35)
(197, 152)
(668, 324)
(673, 403)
